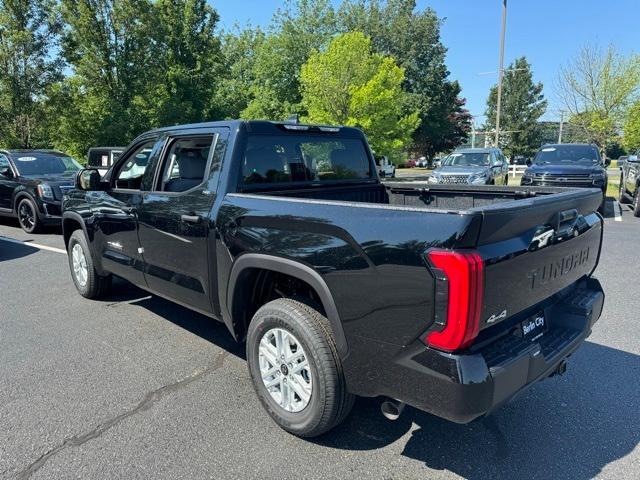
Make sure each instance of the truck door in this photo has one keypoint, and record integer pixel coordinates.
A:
(174, 221)
(114, 211)
(8, 183)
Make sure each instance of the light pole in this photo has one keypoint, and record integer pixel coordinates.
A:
(501, 71)
(561, 124)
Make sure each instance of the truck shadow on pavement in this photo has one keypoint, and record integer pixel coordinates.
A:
(564, 427)
(12, 251)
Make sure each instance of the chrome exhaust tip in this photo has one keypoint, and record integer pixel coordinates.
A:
(392, 409)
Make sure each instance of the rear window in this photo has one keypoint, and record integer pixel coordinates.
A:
(303, 158)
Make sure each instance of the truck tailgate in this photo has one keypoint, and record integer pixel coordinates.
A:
(535, 248)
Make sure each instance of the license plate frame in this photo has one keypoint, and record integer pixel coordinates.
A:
(534, 327)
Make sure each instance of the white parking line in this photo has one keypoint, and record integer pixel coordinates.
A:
(617, 211)
(34, 245)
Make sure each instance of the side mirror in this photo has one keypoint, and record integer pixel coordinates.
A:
(88, 179)
(7, 172)
(529, 162)
(607, 162)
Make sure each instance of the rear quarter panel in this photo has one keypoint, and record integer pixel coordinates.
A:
(370, 256)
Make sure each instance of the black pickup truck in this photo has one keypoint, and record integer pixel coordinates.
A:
(449, 298)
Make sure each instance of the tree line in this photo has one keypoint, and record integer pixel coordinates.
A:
(83, 73)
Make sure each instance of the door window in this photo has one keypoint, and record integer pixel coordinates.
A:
(4, 164)
(185, 165)
(131, 171)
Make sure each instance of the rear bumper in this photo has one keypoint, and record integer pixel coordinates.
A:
(462, 387)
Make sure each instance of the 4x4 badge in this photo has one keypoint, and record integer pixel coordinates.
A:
(495, 317)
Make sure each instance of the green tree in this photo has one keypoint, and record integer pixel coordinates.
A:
(237, 76)
(296, 30)
(632, 128)
(189, 61)
(522, 105)
(112, 55)
(29, 63)
(412, 38)
(597, 88)
(350, 85)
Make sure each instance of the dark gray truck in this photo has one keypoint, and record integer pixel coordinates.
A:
(449, 298)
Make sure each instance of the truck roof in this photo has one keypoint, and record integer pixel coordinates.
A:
(264, 126)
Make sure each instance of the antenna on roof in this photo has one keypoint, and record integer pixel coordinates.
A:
(294, 118)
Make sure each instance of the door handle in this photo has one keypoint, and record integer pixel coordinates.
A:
(191, 218)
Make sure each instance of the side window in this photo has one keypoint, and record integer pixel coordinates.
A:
(131, 171)
(4, 163)
(185, 163)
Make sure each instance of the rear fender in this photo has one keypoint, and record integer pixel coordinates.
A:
(293, 269)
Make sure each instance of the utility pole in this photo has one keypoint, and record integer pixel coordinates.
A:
(561, 123)
(473, 133)
(501, 71)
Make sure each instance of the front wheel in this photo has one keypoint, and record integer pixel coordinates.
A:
(28, 216)
(295, 368)
(622, 191)
(87, 281)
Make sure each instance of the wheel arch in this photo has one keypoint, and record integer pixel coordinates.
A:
(242, 277)
(72, 221)
(19, 195)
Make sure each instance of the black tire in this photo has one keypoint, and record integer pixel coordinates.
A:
(506, 180)
(95, 286)
(636, 203)
(330, 402)
(622, 192)
(28, 216)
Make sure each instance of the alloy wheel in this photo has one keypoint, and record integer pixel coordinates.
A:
(285, 370)
(79, 262)
(26, 216)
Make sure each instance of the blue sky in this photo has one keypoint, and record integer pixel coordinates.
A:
(548, 32)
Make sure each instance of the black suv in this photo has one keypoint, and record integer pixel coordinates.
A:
(32, 183)
(568, 165)
(630, 181)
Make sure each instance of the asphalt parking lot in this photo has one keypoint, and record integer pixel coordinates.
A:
(137, 387)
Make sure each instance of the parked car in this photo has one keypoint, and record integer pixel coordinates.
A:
(479, 166)
(568, 165)
(283, 232)
(103, 157)
(519, 160)
(385, 167)
(422, 162)
(630, 182)
(32, 184)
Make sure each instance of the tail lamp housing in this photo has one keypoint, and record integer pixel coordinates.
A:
(459, 296)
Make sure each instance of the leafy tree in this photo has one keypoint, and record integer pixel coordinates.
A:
(597, 88)
(189, 61)
(296, 30)
(350, 85)
(632, 128)
(412, 38)
(522, 105)
(28, 41)
(112, 56)
(237, 77)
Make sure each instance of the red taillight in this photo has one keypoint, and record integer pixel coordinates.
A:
(464, 276)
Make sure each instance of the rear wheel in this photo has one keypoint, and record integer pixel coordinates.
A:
(636, 203)
(28, 216)
(295, 368)
(87, 281)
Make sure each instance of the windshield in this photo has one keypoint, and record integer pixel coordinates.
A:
(467, 159)
(36, 164)
(303, 158)
(563, 154)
